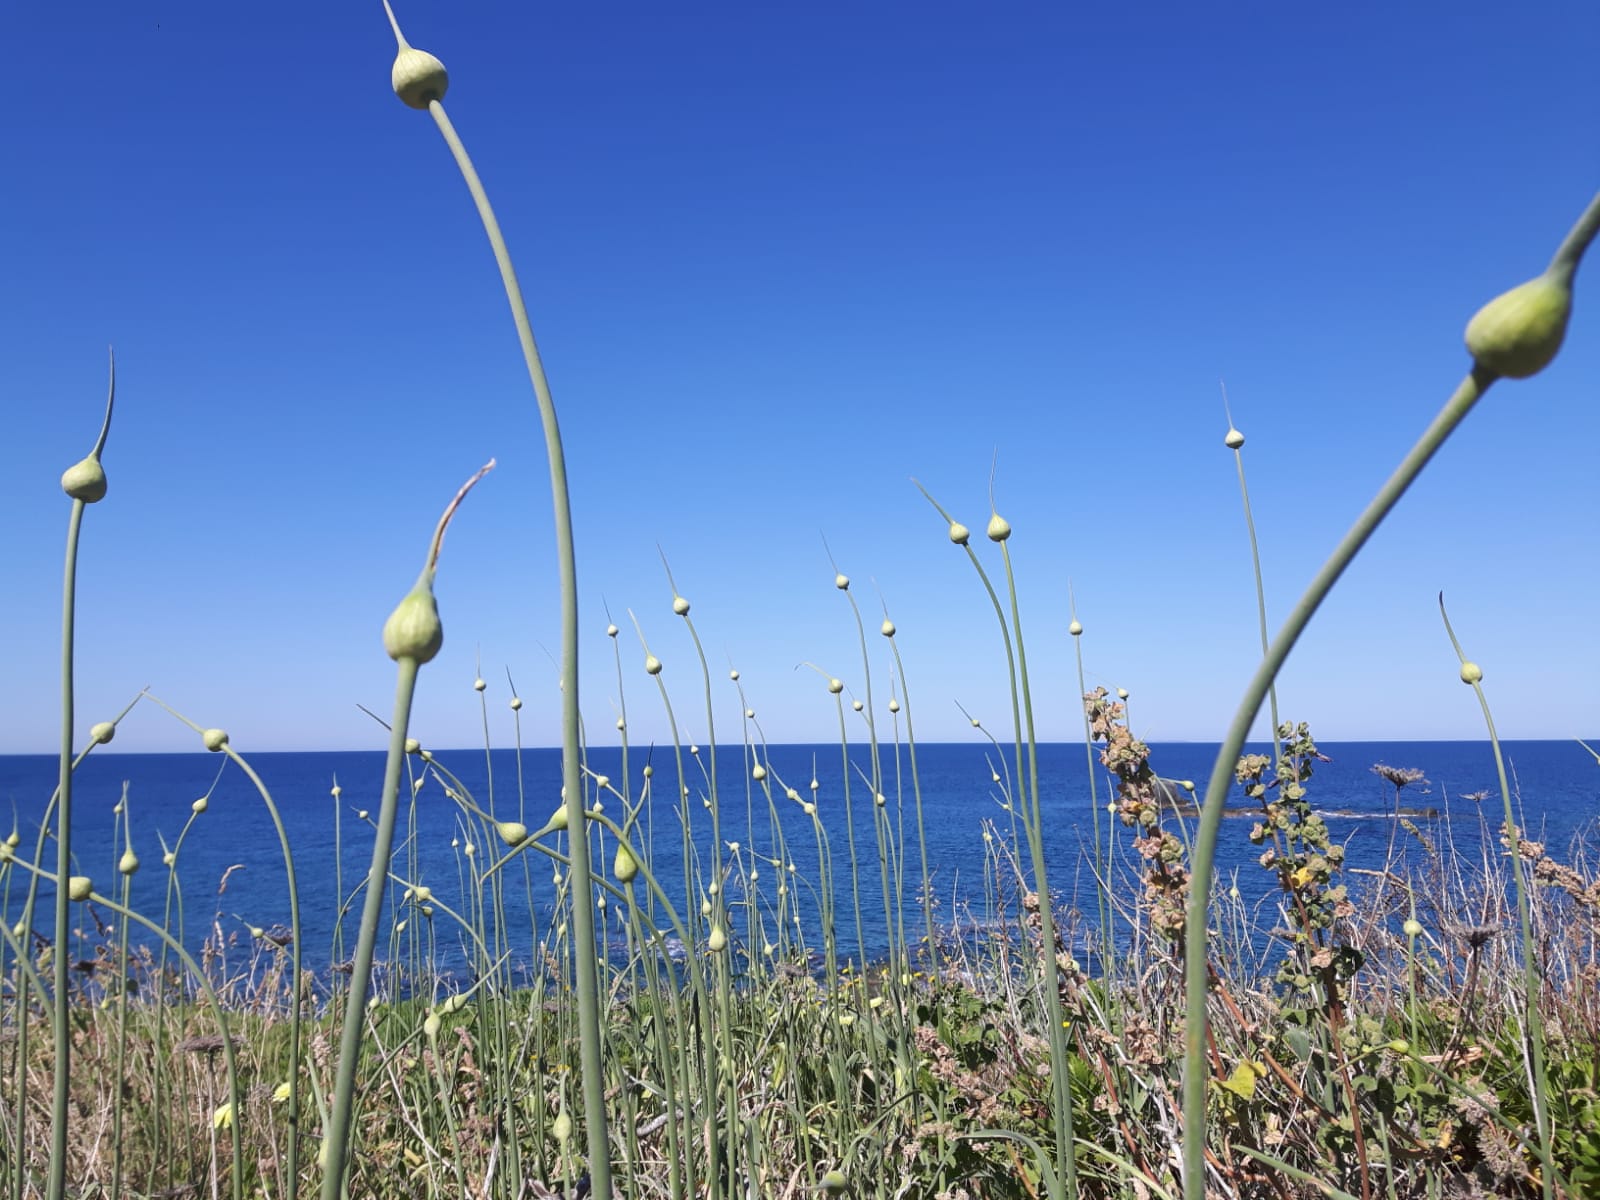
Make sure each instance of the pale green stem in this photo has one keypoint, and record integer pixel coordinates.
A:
(583, 925)
(62, 1007)
(1194, 1075)
(337, 1135)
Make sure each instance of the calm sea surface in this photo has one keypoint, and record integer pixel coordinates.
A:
(1556, 789)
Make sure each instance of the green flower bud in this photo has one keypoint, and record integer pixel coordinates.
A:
(833, 1182)
(1075, 629)
(1471, 673)
(79, 887)
(512, 833)
(430, 1026)
(887, 628)
(758, 773)
(1518, 333)
(959, 533)
(718, 941)
(680, 606)
(835, 686)
(1234, 440)
(85, 480)
(102, 733)
(561, 1127)
(129, 862)
(842, 582)
(1412, 927)
(413, 629)
(624, 867)
(999, 528)
(652, 665)
(214, 740)
(418, 77)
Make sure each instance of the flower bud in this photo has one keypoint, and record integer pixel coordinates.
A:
(734, 674)
(652, 665)
(612, 631)
(1076, 628)
(200, 805)
(887, 628)
(214, 739)
(1518, 333)
(512, 833)
(842, 582)
(1412, 927)
(430, 1026)
(758, 773)
(1234, 440)
(128, 863)
(857, 705)
(79, 887)
(999, 528)
(718, 941)
(478, 685)
(680, 606)
(959, 533)
(835, 686)
(833, 1182)
(624, 867)
(561, 1127)
(418, 77)
(413, 629)
(1471, 673)
(102, 733)
(894, 705)
(85, 480)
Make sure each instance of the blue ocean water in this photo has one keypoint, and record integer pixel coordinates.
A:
(1556, 790)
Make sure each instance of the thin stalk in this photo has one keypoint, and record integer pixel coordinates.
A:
(583, 924)
(337, 1137)
(1451, 415)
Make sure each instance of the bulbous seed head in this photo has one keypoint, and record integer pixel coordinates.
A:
(758, 773)
(418, 77)
(1471, 673)
(624, 867)
(214, 739)
(79, 887)
(129, 862)
(718, 941)
(1412, 927)
(652, 665)
(1519, 332)
(430, 1026)
(999, 528)
(959, 533)
(512, 833)
(102, 733)
(85, 480)
(413, 629)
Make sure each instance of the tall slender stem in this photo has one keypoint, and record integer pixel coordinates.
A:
(583, 925)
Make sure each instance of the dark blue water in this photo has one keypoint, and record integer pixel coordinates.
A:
(1556, 784)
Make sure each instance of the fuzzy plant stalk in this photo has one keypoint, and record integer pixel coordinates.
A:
(411, 636)
(1515, 335)
(420, 80)
(85, 483)
(1472, 676)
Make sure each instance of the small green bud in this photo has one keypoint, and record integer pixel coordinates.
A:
(680, 606)
(129, 862)
(999, 528)
(1471, 673)
(412, 746)
(959, 533)
(79, 887)
(624, 867)
(478, 685)
(558, 819)
(1412, 927)
(1518, 333)
(561, 1127)
(430, 1026)
(102, 733)
(1400, 1046)
(718, 941)
(214, 740)
(652, 665)
(1234, 440)
(85, 480)
(842, 582)
(887, 628)
(1075, 629)
(512, 833)
(418, 77)
(200, 805)
(835, 686)
(894, 705)
(758, 773)
(612, 631)
(413, 629)
(833, 1182)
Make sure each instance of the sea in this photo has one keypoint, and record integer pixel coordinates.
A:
(228, 863)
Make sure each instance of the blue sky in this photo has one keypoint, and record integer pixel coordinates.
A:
(780, 261)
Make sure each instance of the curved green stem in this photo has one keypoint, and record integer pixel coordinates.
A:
(583, 925)
(1194, 1078)
(337, 1135)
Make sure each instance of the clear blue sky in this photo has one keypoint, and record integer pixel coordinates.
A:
(781, 259)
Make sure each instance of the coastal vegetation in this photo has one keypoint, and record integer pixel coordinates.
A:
(1424, 1025)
